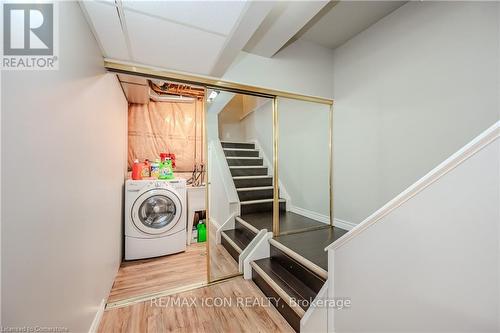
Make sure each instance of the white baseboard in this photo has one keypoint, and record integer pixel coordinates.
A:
(97, 318)
(343, 224)
(309, 213)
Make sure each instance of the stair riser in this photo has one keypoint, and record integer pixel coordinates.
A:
(290, 316)
(249, 172)
(242, 153)
(254, 182)
(241, 226)
(305, 275)
(255, 195)
(244, 162)
(230, 249)
(238, 145)
(260, 207)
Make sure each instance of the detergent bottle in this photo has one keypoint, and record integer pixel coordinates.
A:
(201, 229)
(155, 169)
(146, 169)
(166, 170)
(137, 170)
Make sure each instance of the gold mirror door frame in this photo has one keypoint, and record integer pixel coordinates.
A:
(276, 199)
(120, 67)
(276, 163)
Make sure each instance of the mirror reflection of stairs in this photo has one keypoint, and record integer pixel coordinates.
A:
(287, 277)
(255, 192)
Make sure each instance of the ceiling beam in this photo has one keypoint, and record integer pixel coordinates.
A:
(219, 103)
(249, 21)
(285, 20)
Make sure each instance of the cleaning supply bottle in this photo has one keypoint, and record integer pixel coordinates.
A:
(146, 171)
(169, 168)
(162, 171)
(137, 170)
(166, 170)
(155, 169)
(201, 229)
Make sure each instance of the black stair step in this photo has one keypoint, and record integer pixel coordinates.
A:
(308, 277)
(253, 182)
(230, 248)
(285, 290)
(249, 171)
(248, 208)
(240, 237)
(245, 161)
(288, 282)
(255, 193)
(283, 308)
(245, 226)
(240, 145)
(241, 153)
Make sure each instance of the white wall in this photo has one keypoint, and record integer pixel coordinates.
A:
(304, 155)
(409, 91)
(63, 166)
(430, 265)
(258, 125)
(300, 67)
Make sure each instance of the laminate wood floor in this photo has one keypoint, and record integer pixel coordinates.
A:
(221, 263)
(140, 277)
(193, 313)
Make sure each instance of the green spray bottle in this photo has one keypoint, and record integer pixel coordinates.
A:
(201, 229)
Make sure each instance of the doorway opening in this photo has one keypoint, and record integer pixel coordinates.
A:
(165, 248)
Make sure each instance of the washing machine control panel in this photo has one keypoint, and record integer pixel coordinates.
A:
(137, 185)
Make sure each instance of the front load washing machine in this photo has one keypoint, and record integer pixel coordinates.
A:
(155, 218)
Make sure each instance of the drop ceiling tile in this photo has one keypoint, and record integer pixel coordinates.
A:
(216, 16)
(106, 24)
(165, 44)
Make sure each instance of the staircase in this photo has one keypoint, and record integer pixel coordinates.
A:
(255, 191)
(286, 277)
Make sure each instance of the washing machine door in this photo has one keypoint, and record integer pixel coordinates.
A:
(156, 211)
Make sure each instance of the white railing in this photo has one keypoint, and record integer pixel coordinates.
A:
(224, 201)
(449, 164)
(418, 258)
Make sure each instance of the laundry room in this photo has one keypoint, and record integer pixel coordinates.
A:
(165, 194)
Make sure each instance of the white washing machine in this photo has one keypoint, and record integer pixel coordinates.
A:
(155, 218)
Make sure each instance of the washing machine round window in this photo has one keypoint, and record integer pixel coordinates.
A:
(156, 211)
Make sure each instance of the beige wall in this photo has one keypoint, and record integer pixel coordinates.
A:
(230, 128)
(63, 165)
